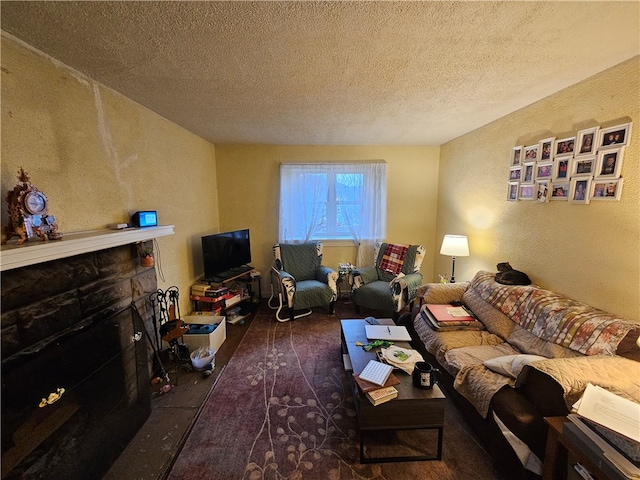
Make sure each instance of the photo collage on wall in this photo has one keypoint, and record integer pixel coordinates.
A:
(578, 169)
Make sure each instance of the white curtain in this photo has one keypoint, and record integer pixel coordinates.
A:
(301, 185)
(369, 225)
(303, 197)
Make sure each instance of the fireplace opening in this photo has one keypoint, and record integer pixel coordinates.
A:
(71, 404)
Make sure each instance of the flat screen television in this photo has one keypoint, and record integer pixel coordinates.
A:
(226, 254)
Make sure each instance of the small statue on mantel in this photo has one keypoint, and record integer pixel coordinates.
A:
(28, 213)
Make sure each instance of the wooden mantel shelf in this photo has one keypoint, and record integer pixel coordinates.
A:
(34, 251)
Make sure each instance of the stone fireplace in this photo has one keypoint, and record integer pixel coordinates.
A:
(75, 362)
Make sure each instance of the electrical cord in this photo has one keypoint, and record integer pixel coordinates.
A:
(156, 248)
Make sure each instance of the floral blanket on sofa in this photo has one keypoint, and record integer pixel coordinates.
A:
(555, 318)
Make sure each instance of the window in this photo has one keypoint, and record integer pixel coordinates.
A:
(333, 201)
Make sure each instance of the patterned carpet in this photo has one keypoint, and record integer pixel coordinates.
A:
(282, 409)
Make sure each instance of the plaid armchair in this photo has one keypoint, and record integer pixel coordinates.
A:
(391, 283)
(302, 282)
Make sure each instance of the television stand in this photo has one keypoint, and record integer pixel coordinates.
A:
(242, 274)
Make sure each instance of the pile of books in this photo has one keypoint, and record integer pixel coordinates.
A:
(382, 395)
(200, 289)
(442, 317)
(606, 427)
(381, 391)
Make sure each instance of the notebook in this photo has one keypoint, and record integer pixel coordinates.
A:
(376, 372)
(449, 313)
(387, 332)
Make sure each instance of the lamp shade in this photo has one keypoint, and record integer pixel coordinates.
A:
(455, 246)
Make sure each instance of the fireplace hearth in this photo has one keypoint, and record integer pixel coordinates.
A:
(75, 363)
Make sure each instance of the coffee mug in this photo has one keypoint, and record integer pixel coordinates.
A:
(424, 375)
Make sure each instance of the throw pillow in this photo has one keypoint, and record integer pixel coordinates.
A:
(393, 258)
(511, 365)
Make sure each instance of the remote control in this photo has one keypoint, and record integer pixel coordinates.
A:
(372, 321)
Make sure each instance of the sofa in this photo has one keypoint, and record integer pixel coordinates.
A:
(529, 354)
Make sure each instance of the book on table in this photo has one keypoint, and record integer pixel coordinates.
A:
(381, 395)
(365, 386)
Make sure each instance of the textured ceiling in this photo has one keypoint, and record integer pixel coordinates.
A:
(331, 73)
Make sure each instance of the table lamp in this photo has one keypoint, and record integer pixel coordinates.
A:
(455, 246)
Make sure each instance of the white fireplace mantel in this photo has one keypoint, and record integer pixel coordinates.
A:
(35, 251)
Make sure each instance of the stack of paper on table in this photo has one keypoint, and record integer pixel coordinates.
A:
(612, 423)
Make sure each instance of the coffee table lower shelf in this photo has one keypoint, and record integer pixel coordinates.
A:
(405, 458)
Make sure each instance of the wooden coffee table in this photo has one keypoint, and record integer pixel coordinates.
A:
(413, 409)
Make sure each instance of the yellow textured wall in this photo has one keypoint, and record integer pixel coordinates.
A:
(99, 157)
(248, 185)
(588, 252)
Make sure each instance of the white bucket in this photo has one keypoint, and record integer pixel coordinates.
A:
(202, 357)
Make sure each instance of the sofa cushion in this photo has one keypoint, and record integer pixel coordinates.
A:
(438, 343)
(522, 419)
(527, 342)
(459, 358)
(442, 292)
(617, 374)
(555, 318)
(511, 365)
(494, 320)
(629, 347)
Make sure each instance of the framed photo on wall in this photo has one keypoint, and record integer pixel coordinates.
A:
(527, 172)
(525, 192)
(561, 167)
(560, 191)
(579, 190)
(565, 146)
(582, 166)
(613, 137)
(545, 149)
(609, 163)
(606, 189)
(512, 191)
(587, 141)
(544, 170)
(542, 191)
(516, 155)
(514, 173)
(531, 153)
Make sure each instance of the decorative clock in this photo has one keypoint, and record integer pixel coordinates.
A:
(28, 213)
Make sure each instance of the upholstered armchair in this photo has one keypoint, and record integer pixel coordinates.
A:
(391, 283)
(301, 280)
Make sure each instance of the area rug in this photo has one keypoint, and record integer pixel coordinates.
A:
(282, 409)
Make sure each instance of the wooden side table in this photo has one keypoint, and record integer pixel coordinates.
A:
(560, 448)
